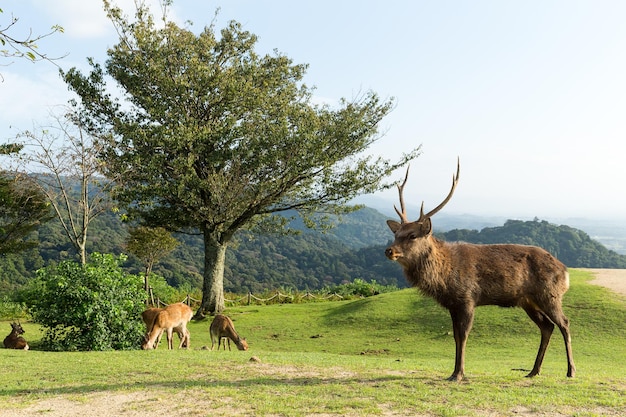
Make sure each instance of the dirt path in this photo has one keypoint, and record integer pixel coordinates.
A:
(613, 279)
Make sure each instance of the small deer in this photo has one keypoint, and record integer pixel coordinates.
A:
(148, 317)
(463, 276)
(223, 327)
(174, 316)
(14, 340)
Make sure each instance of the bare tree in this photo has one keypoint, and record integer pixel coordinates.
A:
(63, 160)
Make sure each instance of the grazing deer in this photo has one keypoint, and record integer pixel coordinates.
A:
(223, 327)
(148, 317)
(174, 316)
(14, 340)
(462, 276)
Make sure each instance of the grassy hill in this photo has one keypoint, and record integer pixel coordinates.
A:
(384, 355)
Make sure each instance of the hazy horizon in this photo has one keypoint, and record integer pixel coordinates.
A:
(530, 96)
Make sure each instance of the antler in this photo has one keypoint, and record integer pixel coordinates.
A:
(403, 217)
(455, 180)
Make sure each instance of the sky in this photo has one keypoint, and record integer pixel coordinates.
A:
(529, 95)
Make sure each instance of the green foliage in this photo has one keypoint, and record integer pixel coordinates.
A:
(23, 208)
(11, 310)
(220, 138)
(167, 294)
(87, 307)
(308, 261)
(361, 288)
(571, 246)
(150, 244)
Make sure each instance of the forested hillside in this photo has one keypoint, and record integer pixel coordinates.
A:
(572, 246)
(311, 260)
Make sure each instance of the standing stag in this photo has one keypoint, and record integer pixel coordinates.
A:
(14, 340)
(462, 276)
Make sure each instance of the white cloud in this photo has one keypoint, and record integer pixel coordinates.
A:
(87, 19)
(84, 19)
(27, 100)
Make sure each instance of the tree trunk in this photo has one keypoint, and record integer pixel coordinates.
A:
(82, 252)
(213, 284)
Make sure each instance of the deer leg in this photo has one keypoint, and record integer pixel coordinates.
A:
(557, 316)
(158, 339)
(170, 338)
(546, 326)
(183, 334)
(462, 319)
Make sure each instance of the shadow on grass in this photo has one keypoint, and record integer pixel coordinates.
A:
(272, 381)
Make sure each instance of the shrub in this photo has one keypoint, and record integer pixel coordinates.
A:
(361, 288)
(11, 310)
(95, 306)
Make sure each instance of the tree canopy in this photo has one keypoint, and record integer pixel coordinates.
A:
(210, 136)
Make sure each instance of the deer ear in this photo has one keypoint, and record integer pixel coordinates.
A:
(393, 225)
(427, 227)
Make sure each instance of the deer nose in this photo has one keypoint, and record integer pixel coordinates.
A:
(389, 253)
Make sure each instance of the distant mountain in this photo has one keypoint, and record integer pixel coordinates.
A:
(311, 260)
(572, 246)
(609, 232)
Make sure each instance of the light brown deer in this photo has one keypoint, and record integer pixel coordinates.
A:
(462, 276)
(223, 327)
(14, 340)
(148, 317)
(171, 317)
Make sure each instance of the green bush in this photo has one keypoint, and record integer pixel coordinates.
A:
(361, 288)
(95, 306)
(11, 310)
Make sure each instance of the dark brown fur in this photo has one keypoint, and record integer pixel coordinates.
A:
(14, 340)
(223, 327)
(463, 276)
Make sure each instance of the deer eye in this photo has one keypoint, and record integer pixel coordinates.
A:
(413, 236)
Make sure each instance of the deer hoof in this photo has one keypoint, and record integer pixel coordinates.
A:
(455, 377)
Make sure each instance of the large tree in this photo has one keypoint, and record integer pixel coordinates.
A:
(208, 135)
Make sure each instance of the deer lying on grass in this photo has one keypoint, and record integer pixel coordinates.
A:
(148, 317)
(14, 340)
(462, 276)
(174, 316)
(222, 327)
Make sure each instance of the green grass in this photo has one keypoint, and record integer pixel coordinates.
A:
(383, 355)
